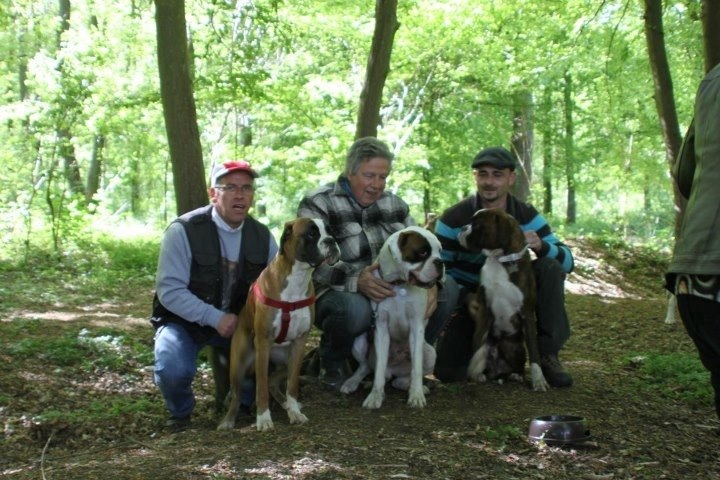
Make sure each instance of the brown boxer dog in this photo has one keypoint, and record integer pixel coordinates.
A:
(276, 319)
(504, 305)
(409, 259)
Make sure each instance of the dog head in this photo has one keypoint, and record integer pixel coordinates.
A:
(306, 240)
(412, 255)
(491, 229)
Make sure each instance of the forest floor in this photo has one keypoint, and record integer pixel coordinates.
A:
(106, 422)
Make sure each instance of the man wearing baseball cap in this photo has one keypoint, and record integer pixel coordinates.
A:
(208, 259)
(494, 173)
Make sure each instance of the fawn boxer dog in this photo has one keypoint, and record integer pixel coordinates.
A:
(409, 259)
(276, 318)
(504, 306)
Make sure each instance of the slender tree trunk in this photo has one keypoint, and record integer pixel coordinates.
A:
(95, 169)
(179, 106)
(522, 143)
(711, 32)
(378, 66)
(547, 153)
(571, 214)
(664, 96)
(63, 135)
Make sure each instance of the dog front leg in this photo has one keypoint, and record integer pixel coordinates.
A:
(416, 397)
(238, 355)
(292, 406)
(539, 384)
(479, 312)
(382, 346)
(262, 360)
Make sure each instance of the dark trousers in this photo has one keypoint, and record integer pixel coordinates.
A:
(702, 322)
(454, 347)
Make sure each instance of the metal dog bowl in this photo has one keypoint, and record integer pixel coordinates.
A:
(558, 430)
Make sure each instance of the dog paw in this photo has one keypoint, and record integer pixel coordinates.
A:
(374, 400)
(417, 400)
(263, 422)
(297, 417)
(479, 378)
(226, 424)
(515, 377)
(350, 385)
(539, 384)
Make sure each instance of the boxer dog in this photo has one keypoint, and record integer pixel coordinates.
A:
(504, 305)
(409, 259)
(274, 323)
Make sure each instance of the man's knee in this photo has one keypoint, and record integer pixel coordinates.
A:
(343, 314)
(548, 270)
(173, 364)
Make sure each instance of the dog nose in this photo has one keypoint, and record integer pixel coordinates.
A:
(440, 266)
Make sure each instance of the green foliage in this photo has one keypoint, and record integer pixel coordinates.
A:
(99, 411)
(675, 375)
(83, 349)
(499, 435)
(272, 87)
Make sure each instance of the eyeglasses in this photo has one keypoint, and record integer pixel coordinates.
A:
(232, 188)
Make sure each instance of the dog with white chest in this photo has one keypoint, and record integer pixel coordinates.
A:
(504, 305)
(409, 259)
(275, 321)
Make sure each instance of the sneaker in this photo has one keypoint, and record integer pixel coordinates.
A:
(177, 424)
(554, 372)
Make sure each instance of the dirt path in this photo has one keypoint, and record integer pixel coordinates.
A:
(467, 431)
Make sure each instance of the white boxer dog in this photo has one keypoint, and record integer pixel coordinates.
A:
(409, 259)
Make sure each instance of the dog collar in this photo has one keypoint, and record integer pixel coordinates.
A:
(513, 257)
(286, 308)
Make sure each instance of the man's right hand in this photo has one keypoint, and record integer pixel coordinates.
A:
(227, 325)
(375, 288)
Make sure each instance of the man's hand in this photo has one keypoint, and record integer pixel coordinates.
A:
(375, 288)
(533, 240)
(227, 325)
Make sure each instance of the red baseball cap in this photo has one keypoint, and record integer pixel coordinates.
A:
(223, 169)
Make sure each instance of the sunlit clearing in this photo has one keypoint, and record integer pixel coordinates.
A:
(300, 468)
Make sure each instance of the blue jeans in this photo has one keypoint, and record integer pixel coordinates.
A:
(176, 356)
(342, 316)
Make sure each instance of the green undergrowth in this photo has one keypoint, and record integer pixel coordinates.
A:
(674, 375)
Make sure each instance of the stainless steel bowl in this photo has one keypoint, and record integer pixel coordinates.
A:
(558, 430)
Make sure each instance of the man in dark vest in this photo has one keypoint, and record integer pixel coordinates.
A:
(208, 259)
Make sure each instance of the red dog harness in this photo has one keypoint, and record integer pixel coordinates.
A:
(286, 308)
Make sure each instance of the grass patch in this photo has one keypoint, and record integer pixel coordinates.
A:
(80, 349)
(101, 411)
(674, 375)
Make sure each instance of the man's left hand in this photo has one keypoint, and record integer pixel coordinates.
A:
(533, 240)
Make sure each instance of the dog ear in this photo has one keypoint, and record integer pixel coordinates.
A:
(286, 235)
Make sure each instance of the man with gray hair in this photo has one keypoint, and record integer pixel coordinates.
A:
(360, 214)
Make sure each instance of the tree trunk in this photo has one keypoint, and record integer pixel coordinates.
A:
(63, 135)
(571, 213)
(95, 169)
(378, 66)
(547, 153)
(711, 32)
(664, 97)
(522, 143)
(179, 106)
